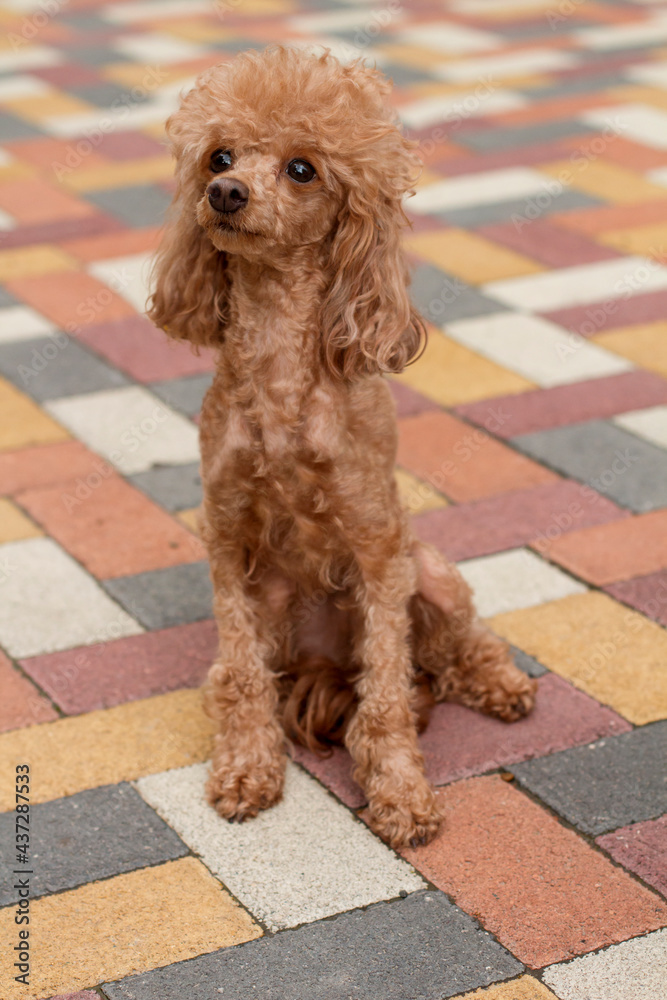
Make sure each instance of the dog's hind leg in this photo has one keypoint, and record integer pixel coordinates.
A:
(465, 661)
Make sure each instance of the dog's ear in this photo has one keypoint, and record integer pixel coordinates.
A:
(189, 282)
(368, 323)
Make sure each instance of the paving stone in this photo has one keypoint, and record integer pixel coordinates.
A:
(543, 905)
(596, 317)
(22, 704)
(12, 127)
(136, 205)
(43, 465)
(642, 848)
(461, 462)
(175, 487)
(284, 871)
(440, 296)
(421, 948)
(23, 423)
(647, 594)
(645, 344)
(130, 427)
(611, 652)
(50, 367)
(592, 399)
(166, 597)
(122, 743)
(613, 552)
(122, 936)
(111, 527)
(528, 664)
(89, 836)
(524, 988)
(14, 525)
(111, 673)
(576, 782)
(47, 602)
(71, 299)
(409, 402)
(22, 323)
(520, 209)
(618, 464)
(515, 579)
(545, 242)
(518, 517)
(649, 423)
(633, 970)
(459, 743)
(523, 135)
(184, 394)
(469, 256)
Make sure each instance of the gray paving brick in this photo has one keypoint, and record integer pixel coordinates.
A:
(12, 127)
(487, 140)
(441, 297)
(611, 783)
(419, 948)
(105, 93)
(184, 394)
(165, 597)
(93, 55)
(51, 367)
(6, 298)
(616, 463)
(526, 663)
(91, 835)
(137, 205)
(575, 85)
(176, 487)
(406, 76)
(503, 211)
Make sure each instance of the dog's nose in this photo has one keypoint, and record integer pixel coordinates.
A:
(227, 194)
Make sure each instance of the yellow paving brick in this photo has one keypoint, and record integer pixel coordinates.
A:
(471, 257)
(645, 344)
(451, 374)
(123, 926)
(31, 261)
(650, 240)
(133, 74)
(17, 170)
(190, 519)
(525, 988)
(416, 495)
(14, 524)
(154, 168)
(614, 654)
(23, 423)
(641, 95)
(605, 180)
(412, 55)
(108, 746)
(37, 108)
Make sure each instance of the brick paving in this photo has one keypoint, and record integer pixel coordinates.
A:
(533, 449)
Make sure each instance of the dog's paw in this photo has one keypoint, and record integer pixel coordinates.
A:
(239, 787)
(512, 694)
(409, 821)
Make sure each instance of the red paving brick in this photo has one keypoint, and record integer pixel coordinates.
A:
(541, 152)
(21, 703)
(604, 217)
(18, 198)
(92, 677)
(46, 464)
(647, 594)
(459, 743)
(43, 153)
(71, 299)
(594, 399)
(544, 892)
(135, 346)
(515, 518)
(117, 244)
(408, 401)
(635, 546)
(596, 317)
(642, 848)
(111, 527)
(461, 461)
(547, 244)
(63, 229)
(129, 146)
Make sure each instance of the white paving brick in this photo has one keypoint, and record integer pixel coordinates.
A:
(30, 57)
(512, 64)
(7, 221)
(650, 424)
(358, 18)
(621, 36)
(640, 122)
(22, 85)
(515, 579)
(632, 970)
(128, 276)
(450, 38)
(536, 348)
(130, 427)
(47, 602)
(302, 860)
(155, 48)
(572, 286)
(23, 323)
(454, 107)
(152, 10)
(484, 188)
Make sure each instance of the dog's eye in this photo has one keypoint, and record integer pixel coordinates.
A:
(220, 160)
(300, 170)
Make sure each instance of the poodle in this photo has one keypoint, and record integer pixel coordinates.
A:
(282, 252)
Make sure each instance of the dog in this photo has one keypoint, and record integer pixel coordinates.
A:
(282, 251)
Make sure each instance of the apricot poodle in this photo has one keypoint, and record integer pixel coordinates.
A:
(283, 252)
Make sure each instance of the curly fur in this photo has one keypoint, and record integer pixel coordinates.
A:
(335, 623)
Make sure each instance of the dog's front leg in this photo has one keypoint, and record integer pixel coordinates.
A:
(248, 766)
(382, 737)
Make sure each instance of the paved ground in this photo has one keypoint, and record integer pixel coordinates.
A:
(533, 450)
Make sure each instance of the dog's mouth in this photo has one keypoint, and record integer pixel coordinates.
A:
(228, 227)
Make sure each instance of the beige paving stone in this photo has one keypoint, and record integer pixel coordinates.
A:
(614, 654)
(416, 495)
(524, 988)
(125, 925)
(105, 747)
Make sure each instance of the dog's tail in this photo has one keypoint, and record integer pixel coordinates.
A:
(319, 701)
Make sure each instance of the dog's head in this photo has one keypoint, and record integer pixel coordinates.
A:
(282, 153)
